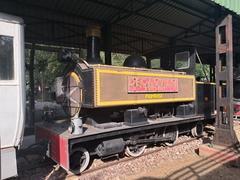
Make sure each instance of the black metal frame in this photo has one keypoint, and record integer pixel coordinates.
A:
(224, 134)
(135, 129)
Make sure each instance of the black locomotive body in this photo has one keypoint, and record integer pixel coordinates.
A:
(114, 109)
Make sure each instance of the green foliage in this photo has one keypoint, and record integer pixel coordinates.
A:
(200, 72)
(118, 59)
(46, 69)
(48, 66)
(156, 63)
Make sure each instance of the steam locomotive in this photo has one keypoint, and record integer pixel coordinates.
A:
(115, 109)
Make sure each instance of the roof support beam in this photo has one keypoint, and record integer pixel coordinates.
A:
(137, 37)
(191, 10)
(195, 34)
(48, 48)
(146, 6)
(188, 30)
(204, 13)
(24, 4)
(70, 29)
(117, 14)
(171, 24)
(147, 17)
(128, 44)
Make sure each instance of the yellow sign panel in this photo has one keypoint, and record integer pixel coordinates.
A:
(153, 96)
(147, 98)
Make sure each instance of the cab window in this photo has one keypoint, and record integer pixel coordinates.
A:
(155, 63)
(182, 60)
(6, 58)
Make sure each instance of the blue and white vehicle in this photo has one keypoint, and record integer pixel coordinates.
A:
(12, 92)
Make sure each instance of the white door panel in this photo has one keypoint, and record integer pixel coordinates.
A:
(8, 114)
(11, 83)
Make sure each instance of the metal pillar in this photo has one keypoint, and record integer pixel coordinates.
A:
(212, 73)
(224, 133)
(107, 37)
(148, 62)
(31, 79)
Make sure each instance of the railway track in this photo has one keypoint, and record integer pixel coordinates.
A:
(128, 159)
(53, 169)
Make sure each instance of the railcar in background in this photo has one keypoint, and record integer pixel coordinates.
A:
(12, 92)
(236, 93)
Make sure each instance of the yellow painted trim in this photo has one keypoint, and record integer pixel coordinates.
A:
(194, 88)
(144, 74)
(75, 76)
(97, 102)
(128, 102)
(198, 82)
(133, 68)
(147, 101)
(77, 79)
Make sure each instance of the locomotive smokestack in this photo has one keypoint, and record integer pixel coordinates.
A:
(93, 44)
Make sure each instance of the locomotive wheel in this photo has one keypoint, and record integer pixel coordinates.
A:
(80, 160)
(172, 132)
(135, 151)
(197, 130)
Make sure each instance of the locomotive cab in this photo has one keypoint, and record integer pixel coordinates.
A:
(186, 59)
(181, 58)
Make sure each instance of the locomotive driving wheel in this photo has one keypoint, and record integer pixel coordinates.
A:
(197, 130)
(172, 133)
(80, 159)
(72, 89)
(135, 151)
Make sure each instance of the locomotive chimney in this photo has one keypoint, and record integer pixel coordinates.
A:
(93, 34)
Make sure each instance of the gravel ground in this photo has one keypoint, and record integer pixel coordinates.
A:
(143, 163)
(36, 169)
(189, 167)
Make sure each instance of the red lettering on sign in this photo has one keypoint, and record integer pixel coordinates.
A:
(138, 84)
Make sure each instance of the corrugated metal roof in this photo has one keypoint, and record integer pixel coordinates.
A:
(233, 5)
(138, 25)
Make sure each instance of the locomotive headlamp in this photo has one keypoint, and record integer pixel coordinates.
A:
(72, 90)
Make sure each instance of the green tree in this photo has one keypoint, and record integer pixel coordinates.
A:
(200, 71)
(46, 69)
(118, 59)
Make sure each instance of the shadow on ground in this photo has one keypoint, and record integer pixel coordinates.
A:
(214, 167)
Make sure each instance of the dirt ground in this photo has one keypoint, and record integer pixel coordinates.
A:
(190, 167)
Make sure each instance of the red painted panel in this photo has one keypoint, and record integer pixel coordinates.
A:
(138, 84)
(58, 145)
(236, 106)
